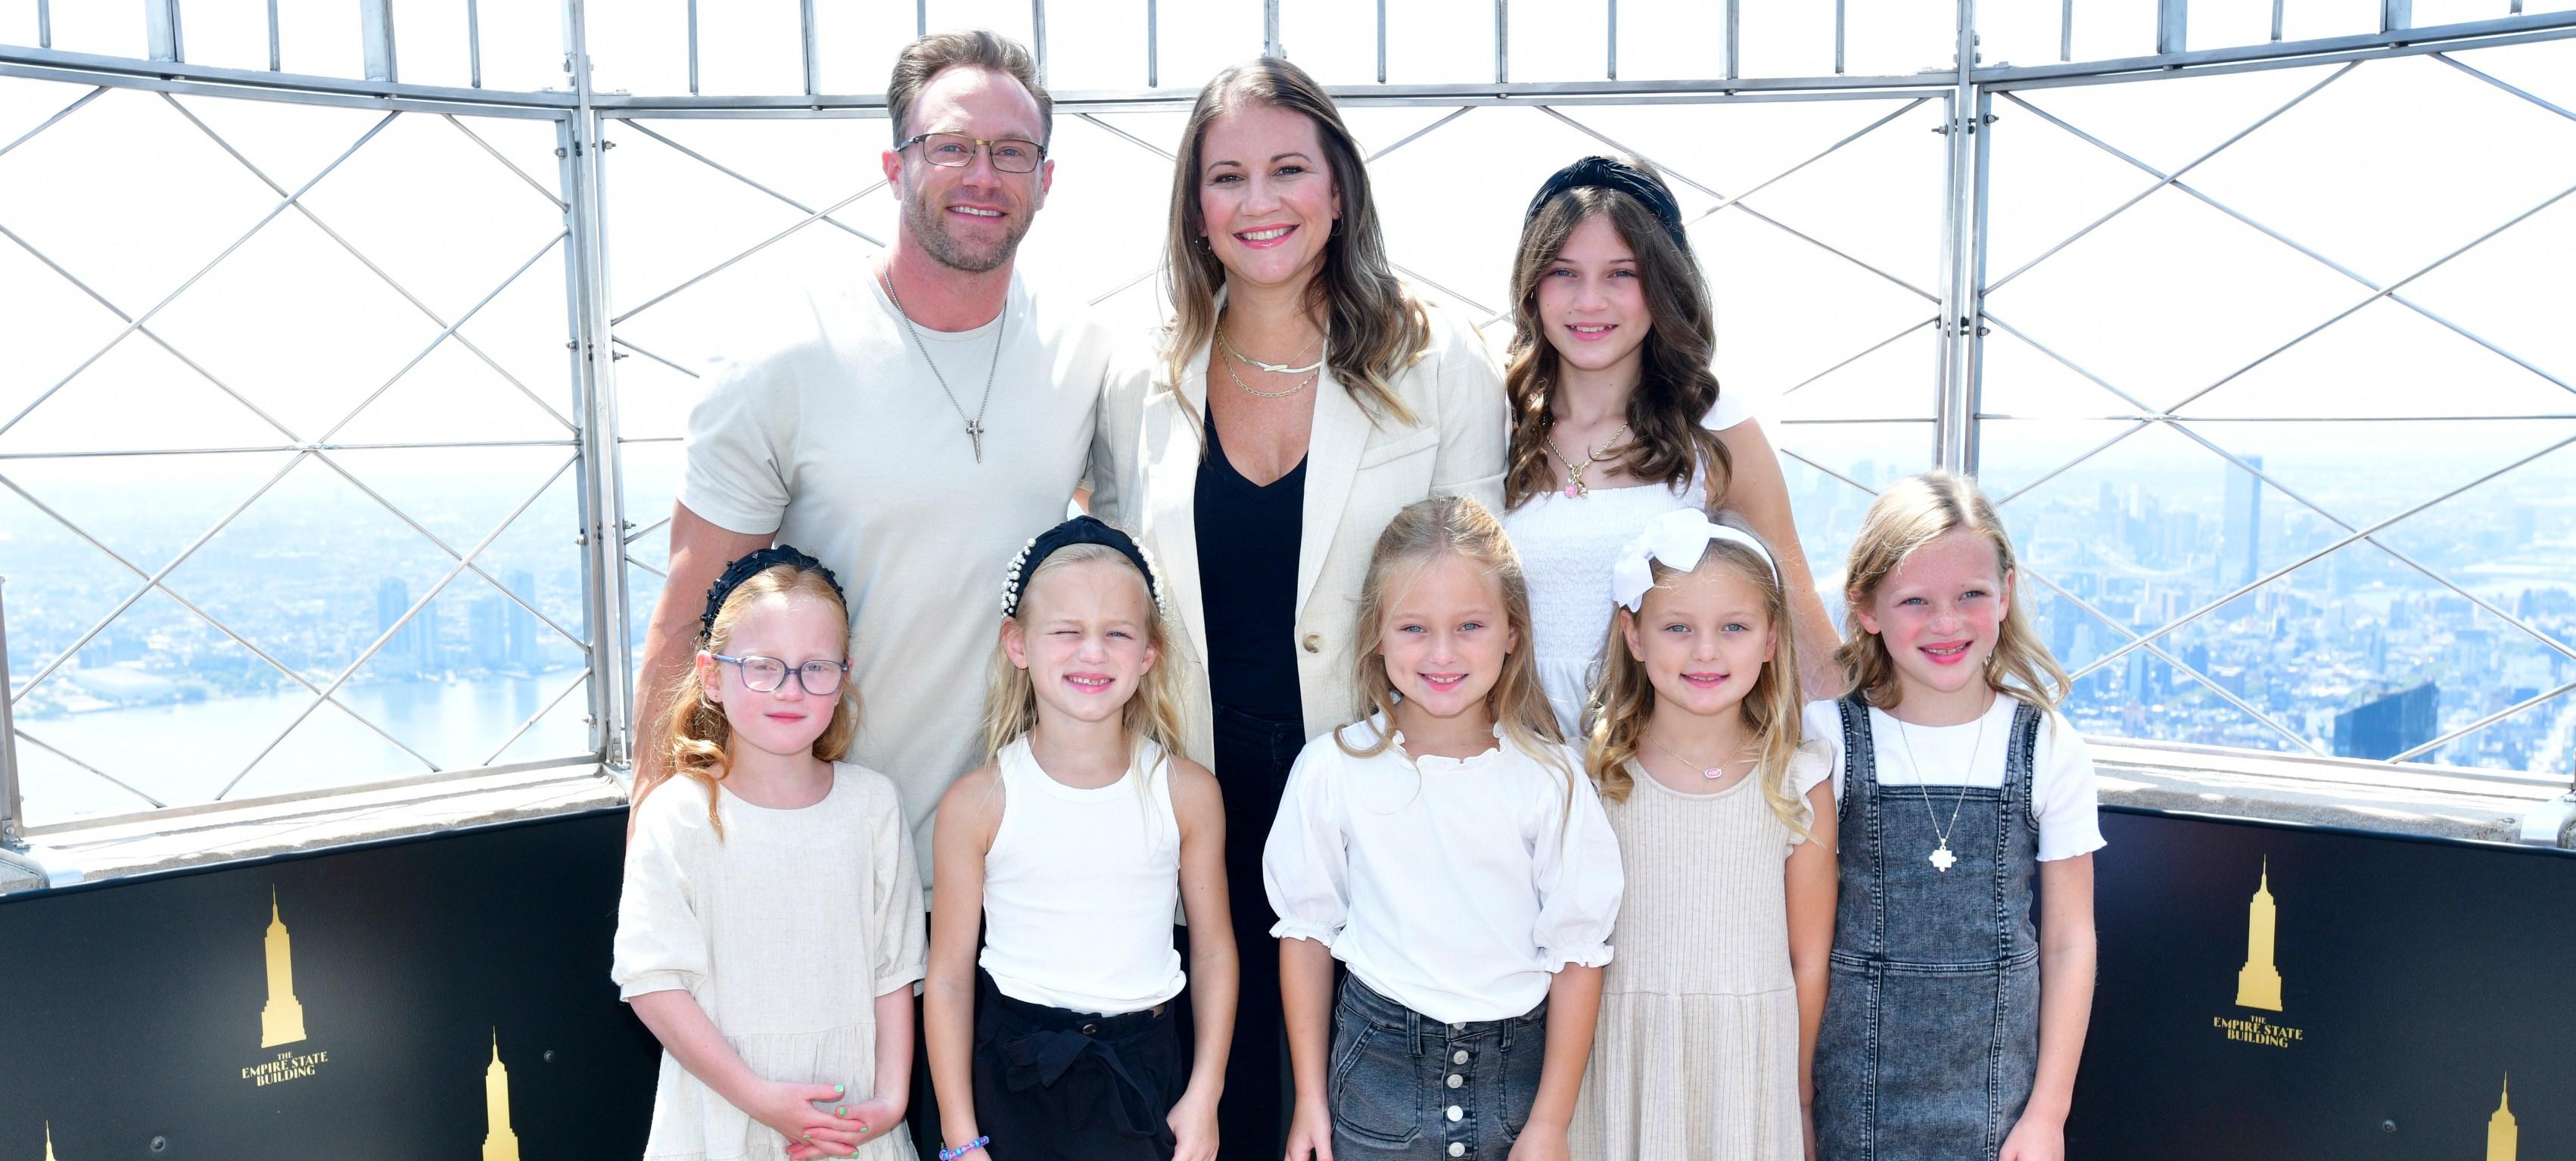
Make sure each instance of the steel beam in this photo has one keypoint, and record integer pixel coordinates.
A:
(603, 501)
(12, 808)
(161, 30)
(376, 33)
(2173, 20)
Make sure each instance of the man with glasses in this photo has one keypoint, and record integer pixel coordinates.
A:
(911, 427)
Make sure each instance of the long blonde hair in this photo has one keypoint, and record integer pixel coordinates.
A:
(1153, 713)
(1914, 512)
(695, 737)
(1373, 328)
(1423, 532)
(1623, 700)
(1676, 388)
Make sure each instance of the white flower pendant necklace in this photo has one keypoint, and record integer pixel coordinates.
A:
(1942, 859)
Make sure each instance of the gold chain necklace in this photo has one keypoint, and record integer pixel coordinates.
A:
(1575, 487)
(1273, 368)
(1249, 389)
(1311, 371)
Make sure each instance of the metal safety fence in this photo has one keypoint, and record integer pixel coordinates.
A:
(345, 454)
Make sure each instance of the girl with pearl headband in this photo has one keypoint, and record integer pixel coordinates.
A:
(1064, 857)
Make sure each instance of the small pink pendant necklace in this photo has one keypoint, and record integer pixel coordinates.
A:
(1712, 773)
(1574, 485)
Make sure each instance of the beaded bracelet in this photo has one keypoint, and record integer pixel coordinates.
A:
(948, 1154)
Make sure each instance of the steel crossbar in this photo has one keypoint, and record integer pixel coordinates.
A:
(318, 449)
(2168, 416)
(594, 443)
(387, 634)
(155, 580)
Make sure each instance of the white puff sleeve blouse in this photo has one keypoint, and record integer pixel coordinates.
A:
(1456, 887)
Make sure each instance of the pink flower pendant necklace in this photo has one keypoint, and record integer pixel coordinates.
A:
(1574, 485)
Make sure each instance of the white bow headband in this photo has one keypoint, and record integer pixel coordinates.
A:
(1678, 538)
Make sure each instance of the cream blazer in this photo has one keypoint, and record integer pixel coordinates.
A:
(1359, 474)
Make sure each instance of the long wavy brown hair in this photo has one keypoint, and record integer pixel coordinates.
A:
(1373, 327)
(1624, 698)
(1423, 532)
(1914, 512)
(694, 733)
(1153, 712)
(1676, 388)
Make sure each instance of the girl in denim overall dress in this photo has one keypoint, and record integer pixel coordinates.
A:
(1447, 851)
(1060, 1040)
(1954, 1022)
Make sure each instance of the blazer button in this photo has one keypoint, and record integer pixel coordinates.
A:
(1314, 642)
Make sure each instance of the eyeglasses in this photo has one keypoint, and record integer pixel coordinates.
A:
(767, 674)
(1010, 154)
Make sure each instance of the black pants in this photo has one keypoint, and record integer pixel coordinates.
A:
(1252, 760)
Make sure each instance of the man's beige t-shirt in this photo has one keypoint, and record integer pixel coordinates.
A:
(831, 431)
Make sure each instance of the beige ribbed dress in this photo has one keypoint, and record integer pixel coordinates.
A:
(1696, 1053)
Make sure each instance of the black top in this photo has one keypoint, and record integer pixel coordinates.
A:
(1248, 584)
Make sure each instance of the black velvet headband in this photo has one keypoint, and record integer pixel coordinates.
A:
(1079, 530)
(753, 565)
(1611, 173)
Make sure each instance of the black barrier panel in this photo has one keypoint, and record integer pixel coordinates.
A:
(2405, 980)
(360, 1022)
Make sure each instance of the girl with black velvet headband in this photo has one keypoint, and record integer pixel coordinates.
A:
(1617, 416)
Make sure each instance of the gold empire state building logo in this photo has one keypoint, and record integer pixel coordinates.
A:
(499, 1143)
(2258, 984)
(49, 1141)
(282, 1020)
(2504, 1138)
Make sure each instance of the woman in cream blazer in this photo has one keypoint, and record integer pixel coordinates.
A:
(1260, 487)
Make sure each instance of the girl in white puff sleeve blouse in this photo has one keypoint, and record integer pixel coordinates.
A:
(1448, 850)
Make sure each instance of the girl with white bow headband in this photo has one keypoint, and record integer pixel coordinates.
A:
(1726, 838)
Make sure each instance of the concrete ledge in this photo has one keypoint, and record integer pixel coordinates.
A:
(2432, 801)
(253, 832)
(15, 877)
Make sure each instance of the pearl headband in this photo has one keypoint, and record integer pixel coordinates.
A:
(1079, 530)
(1677, 538)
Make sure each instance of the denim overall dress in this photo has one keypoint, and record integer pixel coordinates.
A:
(1931, 1032)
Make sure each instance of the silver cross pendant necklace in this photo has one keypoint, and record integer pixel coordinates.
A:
(1942, 859)
(975, 422)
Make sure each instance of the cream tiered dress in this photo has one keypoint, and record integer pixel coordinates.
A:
(1696, 1053)
(785, 929)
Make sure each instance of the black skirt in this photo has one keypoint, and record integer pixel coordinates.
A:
(1054, 1085)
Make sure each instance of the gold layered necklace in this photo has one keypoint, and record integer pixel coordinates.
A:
(1310, 370)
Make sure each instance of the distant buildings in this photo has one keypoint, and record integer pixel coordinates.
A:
(2390, 724)
(2240, 555)
(392, 597)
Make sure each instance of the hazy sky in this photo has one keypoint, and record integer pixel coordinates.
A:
(2382, 170)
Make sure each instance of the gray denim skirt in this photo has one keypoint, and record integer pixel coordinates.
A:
(1402, 1084)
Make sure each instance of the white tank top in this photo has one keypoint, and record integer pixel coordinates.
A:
(1081, 885)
